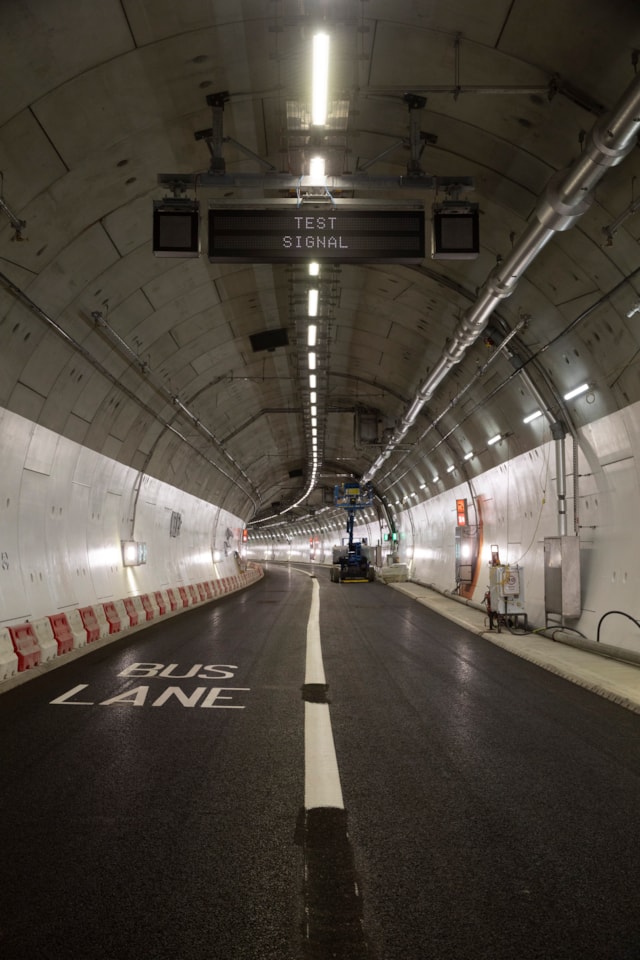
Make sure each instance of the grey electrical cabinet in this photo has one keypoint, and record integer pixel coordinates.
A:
(506, 589)
(562, 577)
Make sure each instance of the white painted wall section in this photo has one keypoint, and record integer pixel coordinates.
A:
(64, 511)
(517, 506)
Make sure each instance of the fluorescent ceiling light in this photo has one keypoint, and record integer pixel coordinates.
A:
(314, 431)
(314, 411)
(495, 439)
(314, 421)
(468, 456)
(312, 331)
(314, 269)
(451, 468)
(577, 391)
(313, 303)
(320, 79)
(313, 397)
(423, 486)
(316, 171)
(435, 479)
(312, 360)
(313, 381)
(532, 416)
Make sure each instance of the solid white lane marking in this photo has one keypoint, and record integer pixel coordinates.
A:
(321, 776)
(314, 670)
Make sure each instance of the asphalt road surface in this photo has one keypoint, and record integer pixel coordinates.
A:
(152, 794)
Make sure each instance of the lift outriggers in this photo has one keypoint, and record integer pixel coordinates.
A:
(352, 560)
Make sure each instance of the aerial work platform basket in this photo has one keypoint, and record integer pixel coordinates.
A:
(352, 560)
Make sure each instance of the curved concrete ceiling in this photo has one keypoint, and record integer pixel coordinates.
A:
(149, 360)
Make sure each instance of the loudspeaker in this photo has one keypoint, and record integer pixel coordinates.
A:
(455, 231)
(176, 228)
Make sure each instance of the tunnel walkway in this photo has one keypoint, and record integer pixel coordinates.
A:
(154, 805)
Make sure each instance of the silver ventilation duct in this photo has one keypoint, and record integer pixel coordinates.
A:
(566, 197)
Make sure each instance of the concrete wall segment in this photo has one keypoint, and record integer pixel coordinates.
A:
(27, 159)
(519, 509)
(64, 510)
(98, 34)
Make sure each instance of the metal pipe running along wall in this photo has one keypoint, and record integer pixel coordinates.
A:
(565, 199)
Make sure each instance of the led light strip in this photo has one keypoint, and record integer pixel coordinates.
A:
(320, 79)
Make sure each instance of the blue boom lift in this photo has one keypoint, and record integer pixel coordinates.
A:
(352, 560)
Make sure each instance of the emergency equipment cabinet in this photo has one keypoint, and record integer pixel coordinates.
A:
(506, 588)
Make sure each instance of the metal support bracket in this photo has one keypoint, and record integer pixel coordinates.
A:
(214, 135)
(415, 142)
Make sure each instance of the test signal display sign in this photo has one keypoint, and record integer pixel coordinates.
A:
(326, 235)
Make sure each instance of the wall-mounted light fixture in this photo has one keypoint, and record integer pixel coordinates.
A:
(134, 553)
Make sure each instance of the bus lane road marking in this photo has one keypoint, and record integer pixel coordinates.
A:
(209, 697)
